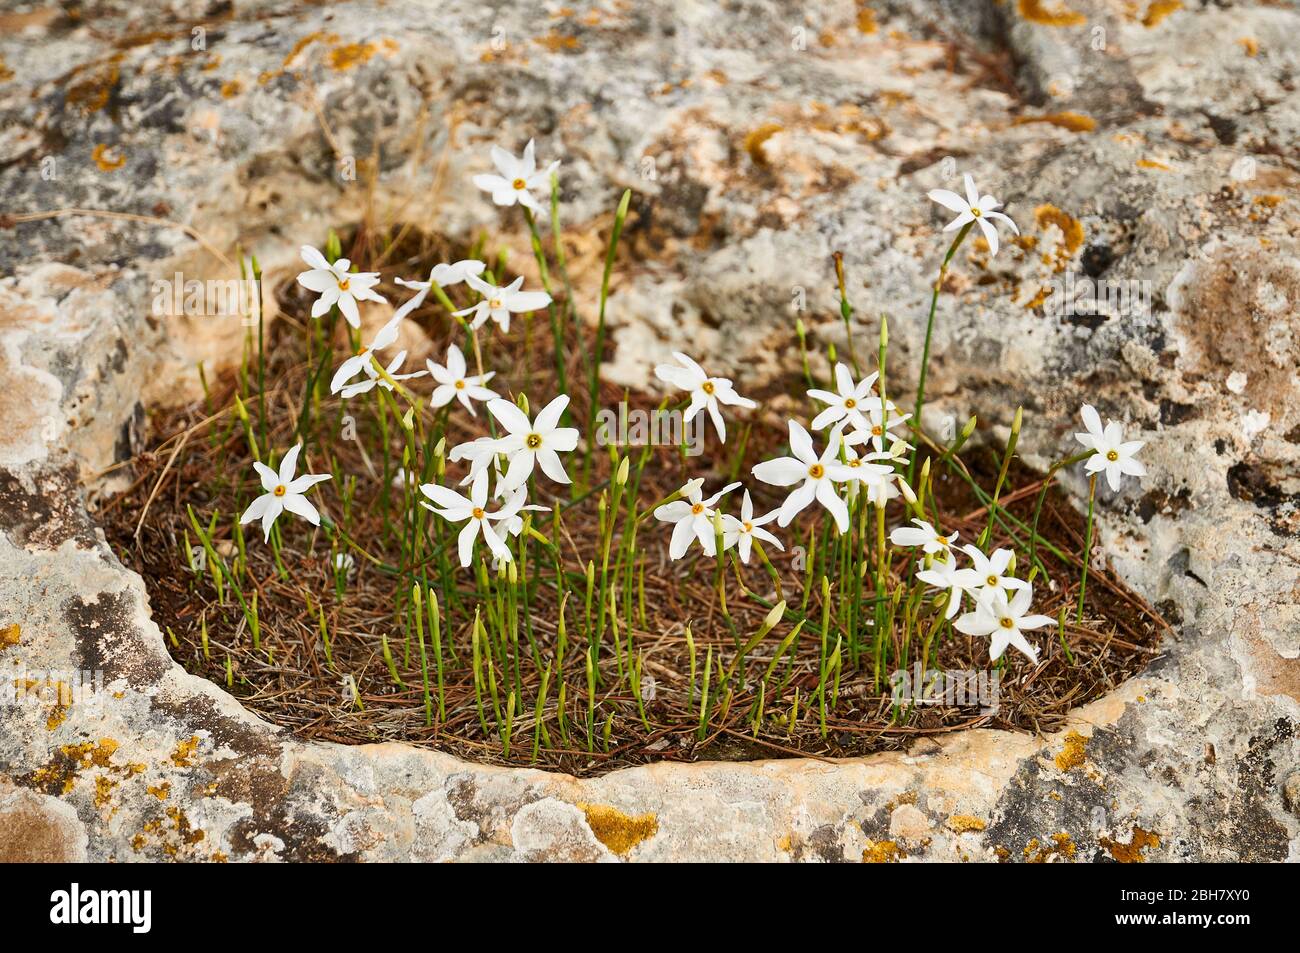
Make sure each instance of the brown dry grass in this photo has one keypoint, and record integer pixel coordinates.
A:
(289, 682)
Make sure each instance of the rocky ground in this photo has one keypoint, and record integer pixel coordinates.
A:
(1150, 144)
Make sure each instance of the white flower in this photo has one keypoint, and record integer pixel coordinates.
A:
(862, 470)
(498, 303)
(819, 476)
(479, 452)
(876, 428)
(336, 285)
(705, 391)
(518, 178)
(847, 403)
(1114, 455)
(1004, 621)
(988, 573)
(924, 535)
(444, 276)
(360, 361)
(345, 563)
(944, 574)
(973, 208)
(539, 441)
(453, 507)
(452, 382)
(283, 492)
(742, 532)
(693, 519)
(352, 390)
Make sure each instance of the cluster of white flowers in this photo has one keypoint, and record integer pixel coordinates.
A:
(861, 448)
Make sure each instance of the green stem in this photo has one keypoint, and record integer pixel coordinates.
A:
(1087, 544)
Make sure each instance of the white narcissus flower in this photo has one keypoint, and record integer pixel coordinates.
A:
(924, 535)
(818, 473)
(479, 452)
(533, 442)
(988, 574)
(444, 276)
(373, 378)
(693, 519)
(1115, 455)
(1004, 621)
(706, 392)
(454, 508)
(283, 492)
(847, 403)
(944, 574)
(880, 420)
(337, 286)
(452, 382)
(499, 303)
(973, 208)
(354, 365)
(518, 178)
(742, 532)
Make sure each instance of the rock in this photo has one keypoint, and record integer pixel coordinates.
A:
(1291, 792)
(1146, 151)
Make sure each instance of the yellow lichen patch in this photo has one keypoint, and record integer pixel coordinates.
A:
(618, 831)
(1061, 846)
(1250, 45)
(351, 54)
(1072, 234)
(104, 790)
(867, 20)
(784, 843)
(231, 88)
(555, 42)
(1158, 10)
(183, 755)
(1153, 164)
(1075, 122)
(60, 774)
(1131, 853)
(9, 636)
(1268, 201)
(6, 73)
(882, 852)
(91, 94)
(213, 62)
(161, 791)
(965, 823)
(1058, 14)
(755, 141)
(1072, 755)
(106, 162)
(59, 713)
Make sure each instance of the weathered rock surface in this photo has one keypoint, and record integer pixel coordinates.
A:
(1133, 142)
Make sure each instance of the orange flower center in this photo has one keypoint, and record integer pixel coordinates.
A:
(707, 387)
(533, 441)
(1007, 622)
(850, 403)
(976, 212)
(816, 471)
(992, 581)
(1112, 455)
(877, 430)
(478, 512)
(519, 185)
(495, 304)
(749, 527)
(345, 284)
(697, 509)
(460, 385)
(280, 490)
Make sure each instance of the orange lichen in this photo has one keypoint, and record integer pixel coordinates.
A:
(1061, 846)
(1072, 234)
(555, 42)
(9, 636)
(351, 54)
(618, 831)
(6, 73)
(867, 20)
(1075, 122)
(1036, 11)
(1074, 752)
(1131, 853)
(1160, 9)
(965, 823)
(160, 791)
(1250, 45)
(882, 852)
(755, 141)
(231, 88)
(183, 755)
(106, 162)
